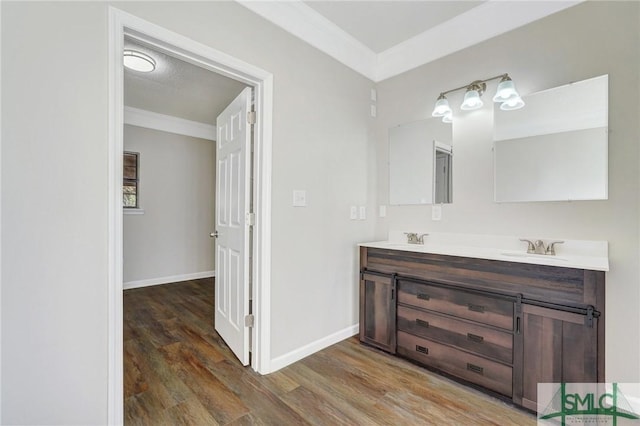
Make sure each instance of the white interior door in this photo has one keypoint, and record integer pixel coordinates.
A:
(232, 243)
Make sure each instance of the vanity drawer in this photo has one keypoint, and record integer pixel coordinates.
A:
(473, 337)
(484, 309)
(492, 375)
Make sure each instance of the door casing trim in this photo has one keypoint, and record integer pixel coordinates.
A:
(121, 23)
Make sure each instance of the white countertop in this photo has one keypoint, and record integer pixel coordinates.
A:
(580, 254)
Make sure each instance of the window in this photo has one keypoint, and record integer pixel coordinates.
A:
(130, 180)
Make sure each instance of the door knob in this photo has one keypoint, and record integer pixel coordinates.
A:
(214, 234)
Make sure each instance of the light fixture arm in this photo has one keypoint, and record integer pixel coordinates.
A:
(481, 84)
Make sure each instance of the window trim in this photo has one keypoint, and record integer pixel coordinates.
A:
(131, 209)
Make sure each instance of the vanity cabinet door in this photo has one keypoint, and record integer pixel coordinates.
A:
(378, 311)
(554, 346)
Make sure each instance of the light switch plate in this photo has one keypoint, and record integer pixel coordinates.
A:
(299, 198)
(436, 212)
(382, 211)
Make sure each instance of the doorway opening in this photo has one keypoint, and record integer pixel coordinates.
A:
(123, 24)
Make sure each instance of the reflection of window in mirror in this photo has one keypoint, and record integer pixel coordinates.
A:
(442, 174)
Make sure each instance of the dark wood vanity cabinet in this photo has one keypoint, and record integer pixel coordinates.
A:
(504, 326)
(556, 345)
(378, 310)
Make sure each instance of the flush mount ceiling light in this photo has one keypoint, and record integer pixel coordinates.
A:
(138, 61)
(506, 95)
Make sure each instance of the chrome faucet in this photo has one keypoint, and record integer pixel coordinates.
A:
(538, 247)
(414, 238)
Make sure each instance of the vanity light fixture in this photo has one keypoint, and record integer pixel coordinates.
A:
(506, 95)
(138, 61)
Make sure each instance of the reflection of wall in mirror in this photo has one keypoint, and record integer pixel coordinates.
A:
(556, 147)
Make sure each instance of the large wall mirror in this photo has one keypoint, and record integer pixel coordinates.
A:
(420, 163)
(556, 147)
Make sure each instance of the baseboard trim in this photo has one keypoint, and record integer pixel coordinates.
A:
(313, 347)
(167, 280)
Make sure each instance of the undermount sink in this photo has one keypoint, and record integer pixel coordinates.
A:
(533, 256)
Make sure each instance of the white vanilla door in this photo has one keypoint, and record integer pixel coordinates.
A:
(232, 247)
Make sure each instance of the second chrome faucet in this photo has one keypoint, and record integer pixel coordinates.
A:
(415, 238)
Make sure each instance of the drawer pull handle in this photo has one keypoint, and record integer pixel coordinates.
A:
(422, 323)
(422, 349)
(475, 368)
(423, 296)
(475, 338)
(476, 308)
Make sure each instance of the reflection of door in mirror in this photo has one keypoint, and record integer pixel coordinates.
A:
(443, 176)
(414, 175)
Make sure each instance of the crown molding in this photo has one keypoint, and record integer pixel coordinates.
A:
(491, 18)
(488, 20)
(168, 123)
(305, 23)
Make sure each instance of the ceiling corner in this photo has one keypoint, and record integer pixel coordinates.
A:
(303, 22)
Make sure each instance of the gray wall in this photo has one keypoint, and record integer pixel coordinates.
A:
(177, 194)
(54, 235)
(54, 177)
(588, 40)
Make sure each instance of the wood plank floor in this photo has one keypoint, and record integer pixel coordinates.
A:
(178, 371)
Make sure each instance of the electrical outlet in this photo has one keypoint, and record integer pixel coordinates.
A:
(374, 95)
(436, 212)
(374, 111)
(363, 213)
(353, 213)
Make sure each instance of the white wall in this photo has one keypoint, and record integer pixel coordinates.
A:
(177, 193)
(588, 40)
(54, 177)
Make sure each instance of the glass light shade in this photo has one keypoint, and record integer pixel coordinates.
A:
(448, 118)
(442, 107)
(471, 100)
(138, 61)
(515, 102)
(506, 90)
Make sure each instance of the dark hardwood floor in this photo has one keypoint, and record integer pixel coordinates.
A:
(178, 371)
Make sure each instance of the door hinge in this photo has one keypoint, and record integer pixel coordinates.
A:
(590, 315)
(249, 320)
(250, 219)
(251, 117)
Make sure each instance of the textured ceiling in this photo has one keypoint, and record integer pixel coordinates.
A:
(178, 88)
(380, 25)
